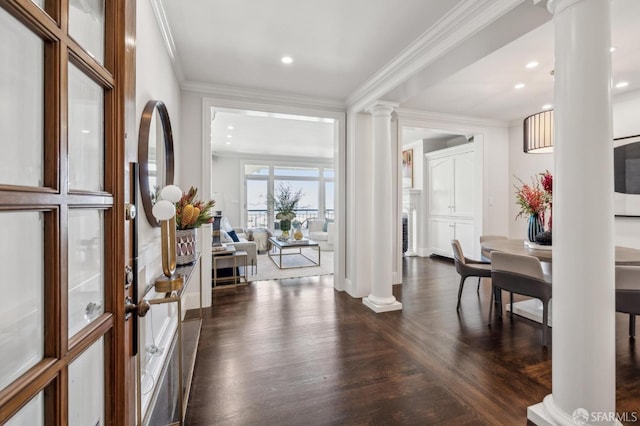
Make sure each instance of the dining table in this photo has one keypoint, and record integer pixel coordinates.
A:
(532, 308)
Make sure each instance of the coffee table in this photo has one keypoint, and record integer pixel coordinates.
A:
(288, 254)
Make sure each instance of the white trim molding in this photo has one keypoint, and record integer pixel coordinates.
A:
(263, 97)
(165, 30)
(464, 20)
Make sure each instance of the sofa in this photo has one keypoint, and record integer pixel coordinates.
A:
(242, 245)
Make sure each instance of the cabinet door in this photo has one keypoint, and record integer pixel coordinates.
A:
(440, 236)
(440, 186)
(464, 232)
(463, 185)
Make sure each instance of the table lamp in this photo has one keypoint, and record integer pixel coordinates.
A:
(165, 212)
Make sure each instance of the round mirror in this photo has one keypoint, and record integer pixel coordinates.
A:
(155, 155)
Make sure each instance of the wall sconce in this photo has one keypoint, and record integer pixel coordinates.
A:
(538, 133)
(165, 212)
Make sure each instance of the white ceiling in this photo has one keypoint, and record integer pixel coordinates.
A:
(486, 88)
(338, 45)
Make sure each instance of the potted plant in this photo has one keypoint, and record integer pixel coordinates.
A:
(284, 203)
(191, 213)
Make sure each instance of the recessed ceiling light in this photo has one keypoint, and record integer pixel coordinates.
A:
(532, 64)
(230, 127)
(547, 106)
(519, 86)
(229, 136)
(287, 60)
(612, 49)
(228, 143)
(86, 132)
(622, 84)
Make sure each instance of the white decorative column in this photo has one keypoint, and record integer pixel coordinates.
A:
(381, 298)
(583, 373)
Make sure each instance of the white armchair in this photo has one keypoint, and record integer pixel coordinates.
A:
(318, 232)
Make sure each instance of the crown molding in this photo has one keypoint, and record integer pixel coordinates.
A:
(165, 30)
(464, 20)
(264, 96)
(450, 120)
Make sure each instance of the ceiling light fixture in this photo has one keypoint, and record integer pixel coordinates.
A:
(622, 84)
(287, 60)
(612, 49)
(532, 64)
(538, 133)
(547, 106)
(229, 136)
(519, 86)
(228, 142)
(230, 127)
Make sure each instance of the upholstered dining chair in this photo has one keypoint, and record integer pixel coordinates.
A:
(486, 254)
(520, 274)
(628, 294)
(468, 268)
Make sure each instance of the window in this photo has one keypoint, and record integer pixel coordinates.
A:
(315, 182)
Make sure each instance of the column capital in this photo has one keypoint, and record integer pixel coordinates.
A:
(557, 6)
(382, 108)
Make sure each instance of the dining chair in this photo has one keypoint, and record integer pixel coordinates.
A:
(486, 254)
(628, 294)
(468, 268)
(521, 274)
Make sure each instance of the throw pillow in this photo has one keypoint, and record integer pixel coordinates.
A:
(224, 237)
(233, 236)
(225, 225)
(326, 224)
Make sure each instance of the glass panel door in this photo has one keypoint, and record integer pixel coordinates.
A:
(62, 213)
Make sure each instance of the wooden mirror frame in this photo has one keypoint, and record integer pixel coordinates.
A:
(143, 154)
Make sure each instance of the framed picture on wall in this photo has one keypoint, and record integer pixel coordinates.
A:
(626, 171)
(407, 168)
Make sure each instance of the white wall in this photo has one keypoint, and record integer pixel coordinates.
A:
(155, 80)
(625, 123)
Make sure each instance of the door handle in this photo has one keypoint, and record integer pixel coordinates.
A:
(140, 309)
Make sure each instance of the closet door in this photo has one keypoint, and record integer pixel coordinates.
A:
(440, 186)
(463, 185)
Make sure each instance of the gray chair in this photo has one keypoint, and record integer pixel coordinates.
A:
(520, 274)
(468, 268)
(628, 294)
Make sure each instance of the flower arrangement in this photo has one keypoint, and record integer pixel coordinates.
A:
(285, 202)
(546, 180)
(191, 212)
(533, 199)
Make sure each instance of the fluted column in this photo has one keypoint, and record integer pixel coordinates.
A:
(381, 298)
(583, 367)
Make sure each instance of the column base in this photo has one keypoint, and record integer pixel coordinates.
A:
(547, 413)
(378, 307)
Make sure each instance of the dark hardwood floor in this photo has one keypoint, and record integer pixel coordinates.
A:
(296, 352)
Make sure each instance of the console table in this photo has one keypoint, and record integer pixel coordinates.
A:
(162, 398)
(229, 258)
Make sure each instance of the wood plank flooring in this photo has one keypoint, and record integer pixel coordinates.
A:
(296, 352)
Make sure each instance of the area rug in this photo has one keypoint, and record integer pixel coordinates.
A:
(267, 270)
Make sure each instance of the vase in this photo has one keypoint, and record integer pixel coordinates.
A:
(285, 227)
(535, 227)
(186, 244)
